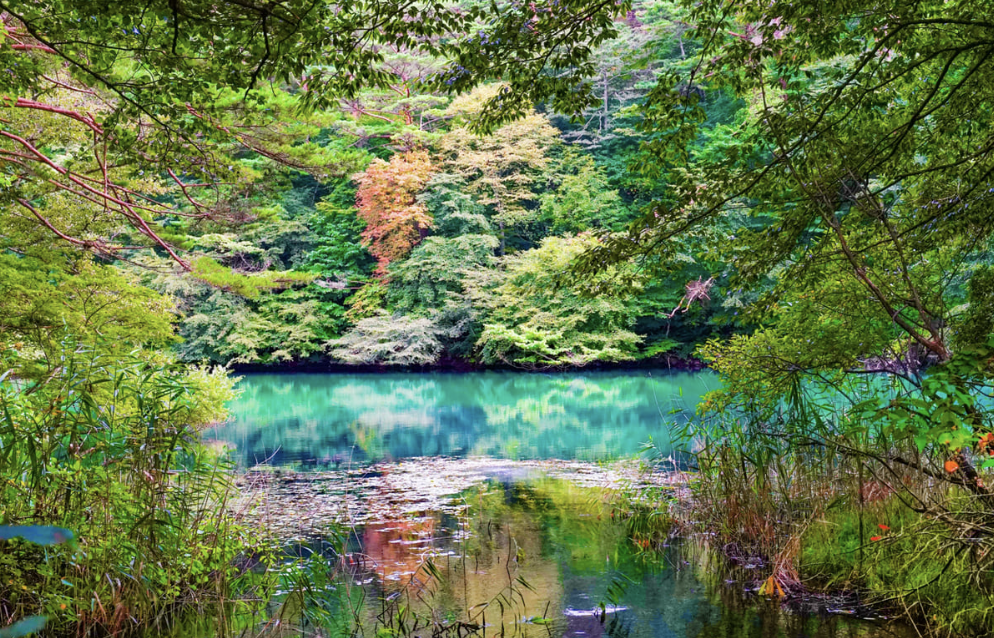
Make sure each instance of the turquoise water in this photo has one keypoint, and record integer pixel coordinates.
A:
(331, 419)
(514, 552)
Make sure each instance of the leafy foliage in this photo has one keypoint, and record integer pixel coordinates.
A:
(46, 299)
(803, 187)
(435, 275)
(108, 447)
(583, 199)
(387, 203)
(391, 340)
(534, 316)
(500, 169)
(853, 191)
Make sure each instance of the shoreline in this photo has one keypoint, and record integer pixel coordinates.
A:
(459, 366)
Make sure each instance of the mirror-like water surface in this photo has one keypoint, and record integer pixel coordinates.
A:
(490, 499)
(331, 419)
(521, 549)
(563, 563)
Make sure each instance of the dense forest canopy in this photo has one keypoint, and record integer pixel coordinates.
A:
(528, 185)
(312, 175)
(516, 184)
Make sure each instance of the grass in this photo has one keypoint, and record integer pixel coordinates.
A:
(908, 565)
(108, 448)
(806, 522)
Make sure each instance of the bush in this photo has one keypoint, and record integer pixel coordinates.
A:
(109, 449)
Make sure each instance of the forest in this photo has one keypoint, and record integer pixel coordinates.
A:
(795, 197)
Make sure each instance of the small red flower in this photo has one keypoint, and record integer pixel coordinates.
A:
(883, 527)
(875, 538)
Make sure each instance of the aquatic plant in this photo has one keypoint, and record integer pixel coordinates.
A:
(869, 486)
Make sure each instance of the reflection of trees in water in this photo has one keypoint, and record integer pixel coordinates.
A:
(396, 549)
(561, 538)
(396, 415)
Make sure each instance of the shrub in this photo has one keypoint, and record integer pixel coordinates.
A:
(108, 448)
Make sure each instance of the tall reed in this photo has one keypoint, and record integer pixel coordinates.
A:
(820, 491)
(108, 447)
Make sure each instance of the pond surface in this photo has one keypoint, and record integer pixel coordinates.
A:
(491, 500)
(332, 419)
(474, 548)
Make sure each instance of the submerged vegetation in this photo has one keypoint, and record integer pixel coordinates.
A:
(796, 193)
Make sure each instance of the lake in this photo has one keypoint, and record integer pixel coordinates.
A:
(331, 419)
(490, 498)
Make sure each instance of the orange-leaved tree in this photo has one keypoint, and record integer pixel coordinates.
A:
(387, 201)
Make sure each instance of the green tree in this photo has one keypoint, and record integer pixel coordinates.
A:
(581, 198)
(836, 170)
(454, 210)
(862, 163)
(163, 99)
(503, 170)
(435, 274)
(51, 298)
(385, 339)
(861, 198)
(533, 315)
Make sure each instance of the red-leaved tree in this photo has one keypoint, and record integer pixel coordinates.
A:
(387, 201)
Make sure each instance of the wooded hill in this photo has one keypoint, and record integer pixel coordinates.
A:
(379, 228)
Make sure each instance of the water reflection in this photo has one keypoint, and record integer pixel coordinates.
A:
(549, 559)
(515, 554)
(335, 419)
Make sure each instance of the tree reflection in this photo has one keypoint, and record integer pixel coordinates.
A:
(333, 418)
